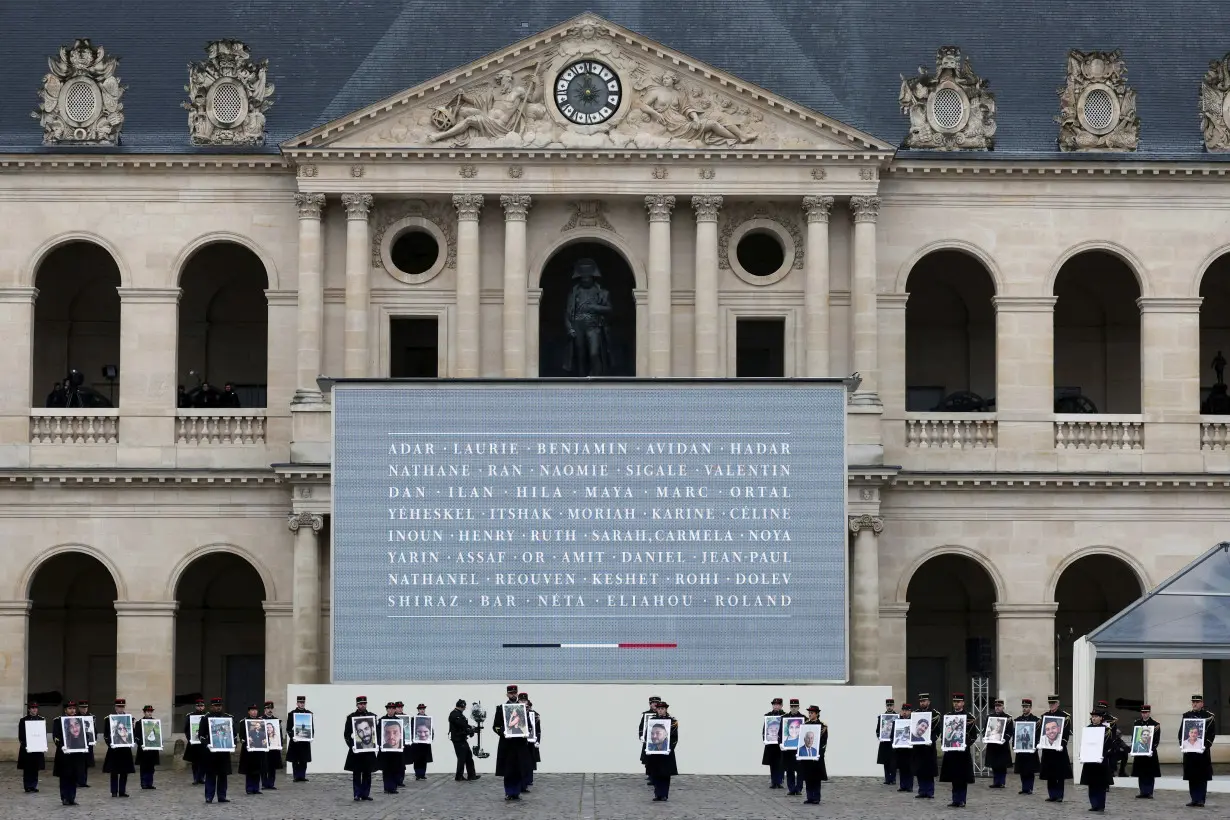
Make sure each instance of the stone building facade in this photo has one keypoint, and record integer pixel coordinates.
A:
(1035, 439)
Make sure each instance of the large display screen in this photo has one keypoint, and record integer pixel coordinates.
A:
(672, 531)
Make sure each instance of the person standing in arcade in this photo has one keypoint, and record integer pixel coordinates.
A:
(794, 786)
(885, 754)
(68, 766)
(194, 753)
(359, 764)
(298, 752)
(83, 774)
(998, 756)
(772, 754)
(217, 764)
(147, 759)
(1025, 764)
(30, 763)
(905, 768)
(922, 755)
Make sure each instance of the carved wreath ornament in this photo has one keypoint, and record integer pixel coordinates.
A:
(1097, 106)
(81, 97)
(950, 110)
(228, 95)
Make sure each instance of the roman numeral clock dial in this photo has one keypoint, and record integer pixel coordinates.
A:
(588, 93)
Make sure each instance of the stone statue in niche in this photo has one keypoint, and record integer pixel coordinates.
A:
(1218, 401)
(585, 317)
(688, 114)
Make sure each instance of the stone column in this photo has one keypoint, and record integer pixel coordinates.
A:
(358, 285)
(516, 209)
(1170, 381)
(659, 275)
(533, 303)
(469, 311)
(707, 363)
(1025, 380)
(145, 655)
(279, 651)
(816, 287)
(864, 324)
(14, 631)
(865, 600)
(311, 297)
(1025, 645)
(893, 649)
(305, 663)
(149, 335)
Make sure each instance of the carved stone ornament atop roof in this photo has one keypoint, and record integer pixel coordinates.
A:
(587, 84)
(951, 110)
(228, 95)
(1215, 105)
(1097, 106)
(81, 97)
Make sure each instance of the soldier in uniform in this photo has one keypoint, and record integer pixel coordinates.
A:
(118, 763)
(392, 765)
(194, 753)
(67, 766)
(1026, 763)
(1119, 757)
(793, 784)
(1198, 767)
(905, 769)
(1055, 767)
(922, 756)
(812, 770)
(420, 753)
(1146, 768)
(512, 755)
(1099, 777)
(998, 756)
(147, 759)
(772, 755)
(273, 757)
(640, 733)
(83, 775)
(30, 763)
(957, 767)
(217, 764)
(359, 764)
(459, 732)
(298, 752)
(663, 767)
(535, 743)
(399, 709)
(251, 764)
(885, 754)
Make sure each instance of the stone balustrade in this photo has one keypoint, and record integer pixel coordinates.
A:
(964, 431)
(1098, 432)
(91, 425)
(229, 426)
(1215, 435)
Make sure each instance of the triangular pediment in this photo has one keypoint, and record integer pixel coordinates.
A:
(638, 96)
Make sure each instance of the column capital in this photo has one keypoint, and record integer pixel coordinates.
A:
(706, 207)
(866, 522)
(147, 609)
(660, 207)
(516, 206)
(310, 205)
(1166, 304)
(305, 519)
(865, 208)
(1024, 304)
(468, 206)
(358, 206)
(817, 208)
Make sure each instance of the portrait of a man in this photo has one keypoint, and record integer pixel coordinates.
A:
(1052, 734)
(658, 737)
(792, 728)
(1193, 736)
(302, 730)
(1023, 737)
(1142, 741)
(996, 727)
(810, 747)
(422, 729)
(391, 737)
(772, 730)
(121, 731)
(74, 734)
(364, 733)
(256, 739)
(221, 734)
(516, 724)
(920, 730)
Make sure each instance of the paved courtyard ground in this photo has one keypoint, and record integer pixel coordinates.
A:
(569, 797)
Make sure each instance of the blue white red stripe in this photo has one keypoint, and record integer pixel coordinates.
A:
(590, 646)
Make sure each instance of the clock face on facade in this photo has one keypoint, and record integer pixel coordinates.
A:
(588, 93)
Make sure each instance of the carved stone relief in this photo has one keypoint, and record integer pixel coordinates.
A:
(1097, 106)
(81, 97)
(228, 95)
(736, 215)
(1215, 105)
(951, 110)
(441, 214)
(587, 213)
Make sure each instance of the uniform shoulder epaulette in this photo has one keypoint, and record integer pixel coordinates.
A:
(674, 723)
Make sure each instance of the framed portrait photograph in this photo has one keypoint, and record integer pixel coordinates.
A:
(997, 728)
(658, 736)
(516, 720)
(151, 734)
(74, 735)
(273, 734)
(952, 737)
(406, 731)
(920, 730)
(792, 732)
(302, 730)
(254, 735)
(1024, 736)
(363, 733)
(809, 742)
(36, 735)
(1052, 733)
(901, 733)
(886, 727)
(194, 729)
(221, 734)
(1193, 736)
(772, 731)
(121, 732)
(1142, 741)
(423, 731)
(88, 722)
(1091, 744)
(392, 735)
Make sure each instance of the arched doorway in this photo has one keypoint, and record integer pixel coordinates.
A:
(1097, 336)
(71, 649)
(950, 335)
(219, 633)
(556, 283)
(1215, 338)
(950, 627)
(1088, 593)
(77, 327)
(224, 324)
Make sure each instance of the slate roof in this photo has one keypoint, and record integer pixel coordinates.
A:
(842, 58)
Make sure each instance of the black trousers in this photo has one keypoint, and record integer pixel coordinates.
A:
(465, 758)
